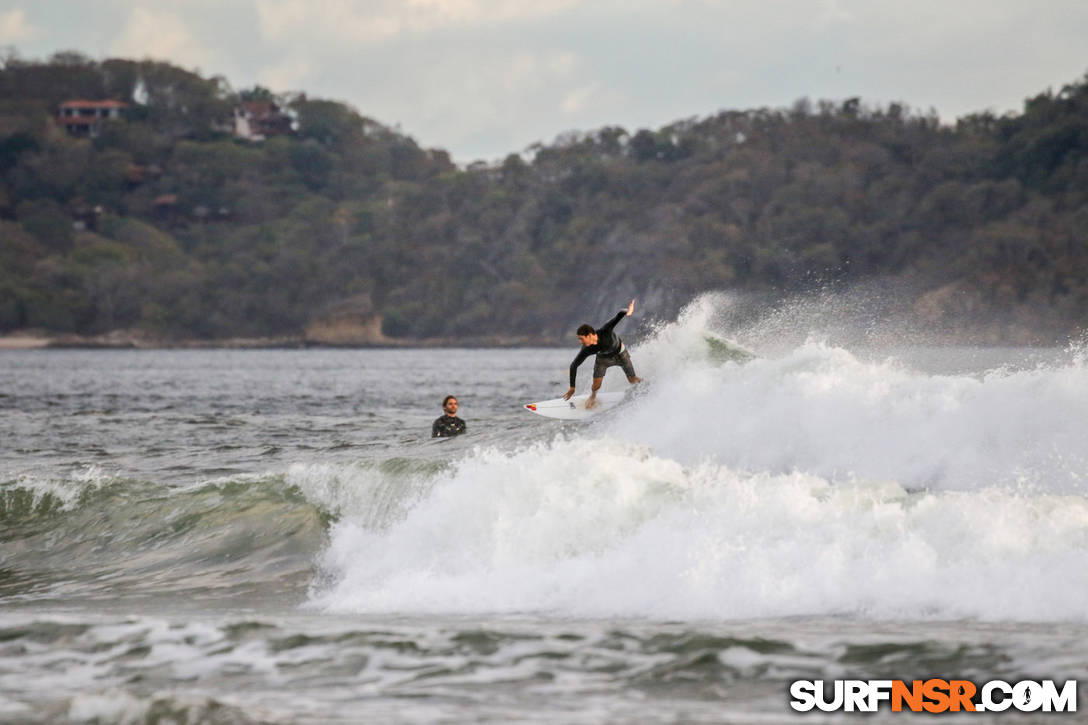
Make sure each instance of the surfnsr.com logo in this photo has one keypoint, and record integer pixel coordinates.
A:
(933, 696)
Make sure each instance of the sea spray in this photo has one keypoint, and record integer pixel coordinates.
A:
(811, 482)
(822, 410)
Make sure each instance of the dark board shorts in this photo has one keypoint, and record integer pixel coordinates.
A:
(603, 362)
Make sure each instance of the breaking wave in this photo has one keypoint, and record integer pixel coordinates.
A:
(814, 482)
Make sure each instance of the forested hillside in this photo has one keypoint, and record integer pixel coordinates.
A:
(166, 221)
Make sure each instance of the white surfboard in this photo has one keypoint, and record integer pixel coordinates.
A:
(575, 408)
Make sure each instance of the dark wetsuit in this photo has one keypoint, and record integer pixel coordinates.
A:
(447, 426)
(609, 350)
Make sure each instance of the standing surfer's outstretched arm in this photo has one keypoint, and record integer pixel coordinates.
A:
(607, 327)
(619, 316)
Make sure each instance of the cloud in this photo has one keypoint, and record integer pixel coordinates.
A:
(486, 93)
(288, 74)
(483, 77)
(576, 100)
(14, 27)
(162, 35)
(374, 21)
(831, 12)
(522, 71)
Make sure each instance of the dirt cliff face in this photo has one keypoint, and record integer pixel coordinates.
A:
(352, 321)
(346, 329)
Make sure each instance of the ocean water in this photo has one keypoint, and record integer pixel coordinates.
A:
(268, 536)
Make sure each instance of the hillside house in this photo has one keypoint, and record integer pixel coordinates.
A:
(85, 118)
(257, 120)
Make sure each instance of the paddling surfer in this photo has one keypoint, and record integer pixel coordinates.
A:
(448, 424)
(608, 348)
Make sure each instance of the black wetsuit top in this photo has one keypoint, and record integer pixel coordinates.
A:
(446, 426)
(608, 345)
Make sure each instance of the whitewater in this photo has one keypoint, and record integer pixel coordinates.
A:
(813, 483)
(270, 536)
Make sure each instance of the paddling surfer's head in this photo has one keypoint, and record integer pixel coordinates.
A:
(449, 404)
(586, 335)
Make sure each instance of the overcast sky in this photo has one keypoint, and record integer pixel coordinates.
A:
(483, 78)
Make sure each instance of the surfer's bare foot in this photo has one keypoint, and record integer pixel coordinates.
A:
(591, 402)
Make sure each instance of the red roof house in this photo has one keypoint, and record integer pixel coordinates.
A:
(85, 118)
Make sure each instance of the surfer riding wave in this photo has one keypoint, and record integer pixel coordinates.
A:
(609, 349)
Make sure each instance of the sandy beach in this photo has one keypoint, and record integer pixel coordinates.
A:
(23, 342)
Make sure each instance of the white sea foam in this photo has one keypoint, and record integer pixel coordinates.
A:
(114, 705)
(810, 483)
(822, 410)
(66, 492)
(602, 528)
